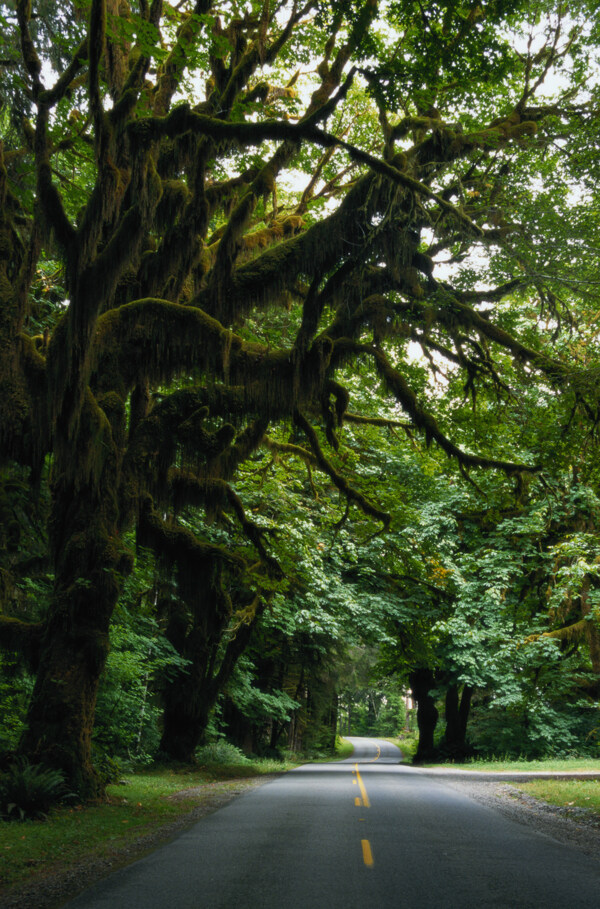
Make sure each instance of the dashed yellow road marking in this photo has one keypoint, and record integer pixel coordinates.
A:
(357, 802)
(363, 791)
(377, 756)
(367, 854)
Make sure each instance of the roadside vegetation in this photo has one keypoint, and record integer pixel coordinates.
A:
(567, 765)
(343, 749)
(408, 744)
(137, 805)
(566, 793)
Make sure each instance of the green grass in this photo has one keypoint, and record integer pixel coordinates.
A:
(70, 834)
(549, 764)
(343, 748)
(407, 745)
(567, 793)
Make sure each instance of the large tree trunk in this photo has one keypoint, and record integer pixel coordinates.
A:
(89, 566)
(186, 713)
(421, 682)
(188, 697)
(197, 626)
(457, 717)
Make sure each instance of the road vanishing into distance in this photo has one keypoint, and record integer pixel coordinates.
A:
(365, 833)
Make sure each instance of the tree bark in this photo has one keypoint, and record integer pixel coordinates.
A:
(197, 627)
(421, 682)
(90, 564)
(457, 716)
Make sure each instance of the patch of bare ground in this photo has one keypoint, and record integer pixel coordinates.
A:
(51, 888)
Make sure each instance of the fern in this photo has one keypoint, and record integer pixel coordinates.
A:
(30, 790)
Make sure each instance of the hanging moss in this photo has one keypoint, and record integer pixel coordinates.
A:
(159, 339)
(423, 421)
(179, 546)
(174, 198)
(340, 482)
(22, 378)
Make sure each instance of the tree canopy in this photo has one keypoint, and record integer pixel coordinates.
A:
(263, 263)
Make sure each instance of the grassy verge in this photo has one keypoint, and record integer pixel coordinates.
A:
(407, 745)
(566, 793)
(145, 804)
(551, 764)
(343, 748)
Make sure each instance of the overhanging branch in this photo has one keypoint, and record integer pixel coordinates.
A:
(338, 480)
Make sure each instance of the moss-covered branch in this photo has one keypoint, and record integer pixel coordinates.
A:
(177, 545)
(49, 198)
(570, 633)
(423, 420)
(171, 70)
(32, 62)
(65, 81)
(295, 451)
(453, 310)
(338, 480)
(188, 489)
(272, 381)
(239, 640)
(182, 120)
(377, 421)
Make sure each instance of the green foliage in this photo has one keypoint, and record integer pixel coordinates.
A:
(220, 753)
(15, 689)
(407, 743)
(115, 828)
(31, 790)
(210, 318)
(367, 705)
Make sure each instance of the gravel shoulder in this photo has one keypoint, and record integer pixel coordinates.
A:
(576, 827)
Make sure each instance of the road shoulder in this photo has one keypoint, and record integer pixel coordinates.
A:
(573, 826)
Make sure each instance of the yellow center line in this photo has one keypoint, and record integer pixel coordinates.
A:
(363, 791)
(367, 854)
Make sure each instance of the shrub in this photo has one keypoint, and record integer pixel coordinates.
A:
(108, 768)
(30, 790)
(221, 753)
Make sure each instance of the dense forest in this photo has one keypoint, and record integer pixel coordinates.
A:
(299, 365)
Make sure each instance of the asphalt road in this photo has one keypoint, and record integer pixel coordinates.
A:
(365, 833)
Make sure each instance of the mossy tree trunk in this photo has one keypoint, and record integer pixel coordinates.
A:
(195, 627)
(197, 624)
(90, 563)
